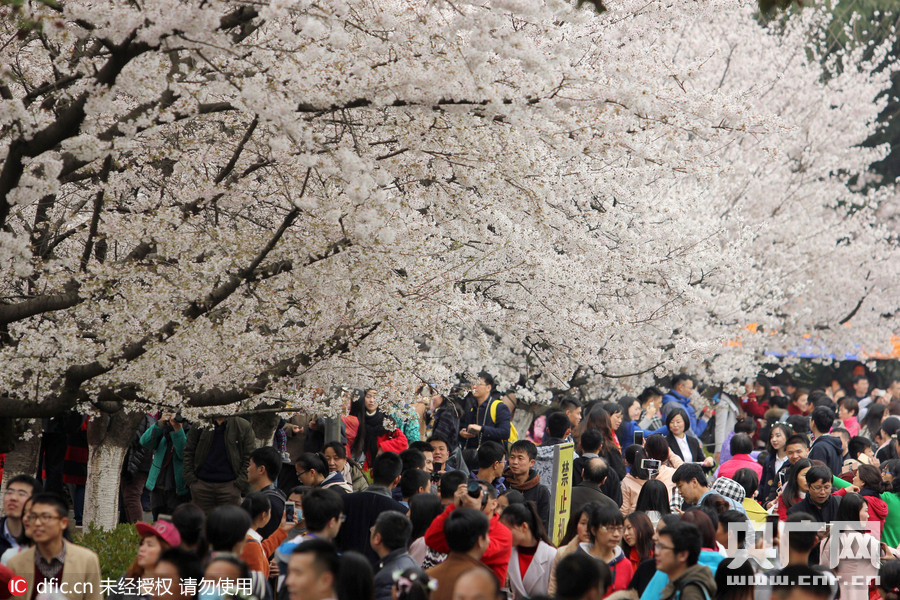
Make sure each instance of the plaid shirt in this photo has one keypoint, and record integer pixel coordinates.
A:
(729, 489)
(50, 569)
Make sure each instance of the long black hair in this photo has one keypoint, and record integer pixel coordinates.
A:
(791, 489)
(516, 514)
(358, 410)
(654, 496)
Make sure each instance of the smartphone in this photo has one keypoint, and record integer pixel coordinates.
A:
(782, 475)
(639, 438)
(650, 464)
(289, 512)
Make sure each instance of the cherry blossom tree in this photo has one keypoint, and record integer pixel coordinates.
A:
(214, 206)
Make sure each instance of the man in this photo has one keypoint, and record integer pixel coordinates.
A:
(581, 577)
(824, 447)
(412, 482)
(323, 511)
(591, 443)
(216, 459)
(19, 489)
(466, 533)
(363, 508)
(441, 456)
(690, 481)
(819, 502)
(166, 438)
(593, 475)
(571, 407)
(390, 540)
(496, 556)
(860, 385)
(265, 464)
(426, 450)
(481, 424)
(521, 476)
(312, 471)
(475, 584)
(558, 430)
(801, 539)
(74, 568)
(677, 552)
(796, 447)
(802, 582)
(680, 396)
(313, 571)
(491, 465)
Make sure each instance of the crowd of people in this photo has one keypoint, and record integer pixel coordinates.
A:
(439, 499)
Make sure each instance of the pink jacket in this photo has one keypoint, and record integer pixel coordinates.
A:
(737, 462)
(631, 489)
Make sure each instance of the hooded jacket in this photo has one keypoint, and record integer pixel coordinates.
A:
(828, 449)
(687, 583)
(533, 491)
(660, 581)
(620, 567)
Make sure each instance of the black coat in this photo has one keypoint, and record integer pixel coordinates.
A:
(828, 449)
(693, 443)
(361, 510)
(612, 487)
(586, 492)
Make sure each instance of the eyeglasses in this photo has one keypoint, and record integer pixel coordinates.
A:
(34, 518)
(19, 493)
(612, 528)
(659, 547)
(301, 473)
(823, 489)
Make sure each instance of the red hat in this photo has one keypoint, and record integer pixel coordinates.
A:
(164, 530)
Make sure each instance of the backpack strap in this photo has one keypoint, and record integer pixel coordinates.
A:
(684, 584)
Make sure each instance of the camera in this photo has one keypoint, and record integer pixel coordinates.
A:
(474, 489)
(639, 438)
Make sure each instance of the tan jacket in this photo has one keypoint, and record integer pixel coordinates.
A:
(81, 573)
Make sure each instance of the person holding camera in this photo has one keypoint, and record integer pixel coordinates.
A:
(166, 438)
(481, 496)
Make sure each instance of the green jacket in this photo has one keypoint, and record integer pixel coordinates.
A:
(239, 443)
(154, 439)
(891, 532)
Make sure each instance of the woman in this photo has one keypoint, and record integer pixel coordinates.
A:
(799, 403)
(532, 554)
(606, 528)
(413, 584)
(155, 539)
(852, 571)
(646, 571)
(637, 540)
(686, 447)
(653, 500)
(634, 480)
(335, 455)
(776, 458)
(891, 474)
(848, 411)
(873, 419)
(358, 411)
(731, 570)
(176, 566)
(445, 415)
(889, 580)
(577, 532)
(381, 432)
(756, 401)
(423, 509)
(868, 481)
(597, 418)
(351, 421)
(795, 487)
(631, 409)
(657, 448)
(257, 549)
(355, 580)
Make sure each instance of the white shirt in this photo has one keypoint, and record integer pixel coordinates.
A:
(685, 448)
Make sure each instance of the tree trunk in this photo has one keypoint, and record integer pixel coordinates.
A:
(264, 425)
(23, 458)
(108, 438)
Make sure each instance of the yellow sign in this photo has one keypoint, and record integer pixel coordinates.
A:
(561, 500)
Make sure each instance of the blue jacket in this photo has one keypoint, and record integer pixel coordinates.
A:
(497, 431)
(654, 589)
(627, 429)
(698, 426)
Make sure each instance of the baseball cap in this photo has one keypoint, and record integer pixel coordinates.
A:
(164, 530)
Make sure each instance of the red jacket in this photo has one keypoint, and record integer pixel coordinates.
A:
(753, 408)
(737, 462)
(878, 508)
(499, 549)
